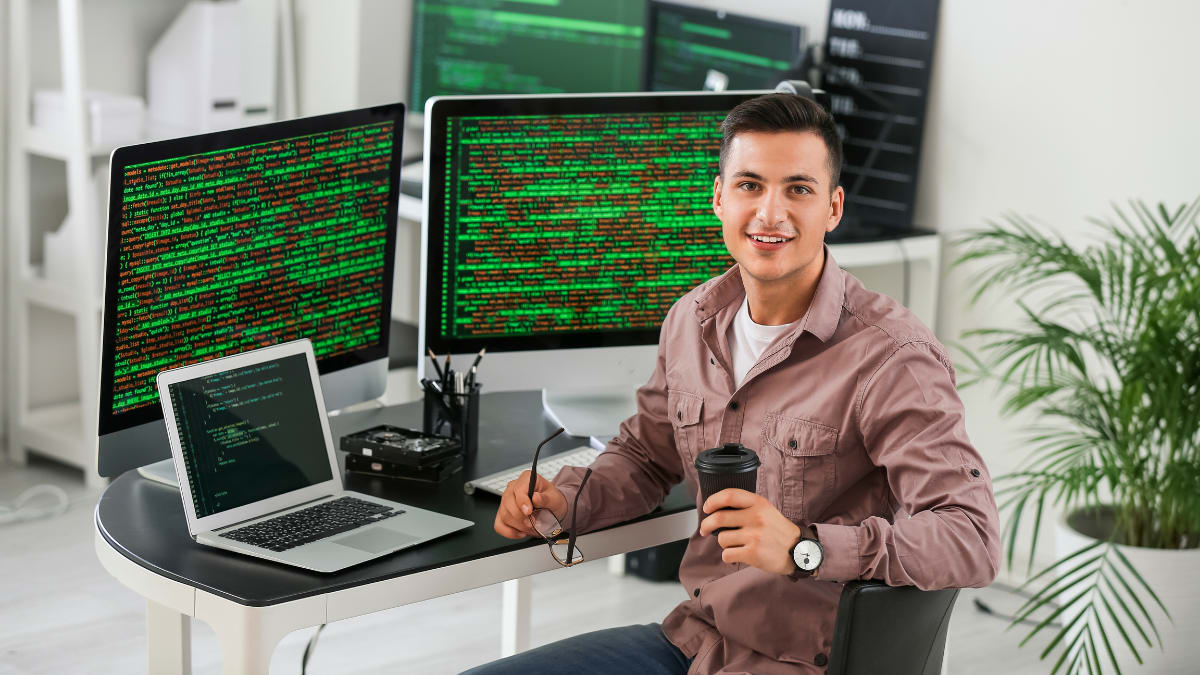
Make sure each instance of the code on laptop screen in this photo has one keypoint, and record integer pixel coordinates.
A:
(250, 433)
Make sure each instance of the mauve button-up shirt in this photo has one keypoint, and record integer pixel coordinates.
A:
(855, 418)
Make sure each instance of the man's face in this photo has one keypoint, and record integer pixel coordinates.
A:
(775, 203)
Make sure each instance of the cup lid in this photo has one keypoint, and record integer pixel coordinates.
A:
(729, 458)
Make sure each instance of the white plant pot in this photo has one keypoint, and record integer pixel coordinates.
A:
(1173, 576)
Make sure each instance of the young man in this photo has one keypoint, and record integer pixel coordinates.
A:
(849, 401)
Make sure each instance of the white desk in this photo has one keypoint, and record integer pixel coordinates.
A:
(249, 635)
(141, 539)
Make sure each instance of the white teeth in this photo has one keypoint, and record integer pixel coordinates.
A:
(767, 240)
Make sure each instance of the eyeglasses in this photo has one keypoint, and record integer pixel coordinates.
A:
(545, 523)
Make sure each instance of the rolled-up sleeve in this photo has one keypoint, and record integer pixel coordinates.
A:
(946, 535)
(637, 468)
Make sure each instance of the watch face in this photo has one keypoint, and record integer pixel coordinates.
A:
(807, 555)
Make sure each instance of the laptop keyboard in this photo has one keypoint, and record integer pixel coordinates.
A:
(310, 524)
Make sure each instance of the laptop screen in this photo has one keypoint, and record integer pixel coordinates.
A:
(250, 433)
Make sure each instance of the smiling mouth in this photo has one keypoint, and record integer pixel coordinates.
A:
(769, 239)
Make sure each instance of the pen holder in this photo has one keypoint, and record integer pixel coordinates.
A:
(454, 415)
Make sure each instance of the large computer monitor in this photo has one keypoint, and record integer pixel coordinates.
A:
(688, 48)
(476, 47)
(558, 232)
(228, 241)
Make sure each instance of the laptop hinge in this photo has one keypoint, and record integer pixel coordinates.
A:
(265, 515)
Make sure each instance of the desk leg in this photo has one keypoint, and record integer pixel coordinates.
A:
(249, 635)
(168, 640)
(514, 616)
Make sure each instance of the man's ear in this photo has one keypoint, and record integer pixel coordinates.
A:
(717, 195)
(836, 203)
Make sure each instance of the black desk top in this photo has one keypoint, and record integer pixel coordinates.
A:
(144, 520)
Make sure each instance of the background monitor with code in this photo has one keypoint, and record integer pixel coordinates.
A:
(235, 240)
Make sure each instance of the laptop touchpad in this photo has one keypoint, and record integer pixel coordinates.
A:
(375, 540)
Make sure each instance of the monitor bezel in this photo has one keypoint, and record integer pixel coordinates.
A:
(439, 109)
(110, 422)
(654, 7)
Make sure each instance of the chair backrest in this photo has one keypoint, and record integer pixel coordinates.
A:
(886, 629)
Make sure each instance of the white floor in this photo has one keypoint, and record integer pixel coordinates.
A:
(60, 612)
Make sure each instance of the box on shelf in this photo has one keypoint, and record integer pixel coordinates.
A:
(62, 247)
(114, 119)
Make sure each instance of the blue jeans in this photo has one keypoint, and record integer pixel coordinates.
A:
(630, 649)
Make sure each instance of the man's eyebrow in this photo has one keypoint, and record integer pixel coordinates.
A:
(802, 178)
(747, 174)
(797, 178)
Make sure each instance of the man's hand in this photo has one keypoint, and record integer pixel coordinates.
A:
(512, 519)
(764, 537)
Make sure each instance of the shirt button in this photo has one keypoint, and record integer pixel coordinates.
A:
(820, 660)
(792, 443)
(679, 414)
(975, 473)
(733, 405)
(710, 360)
(696, 593)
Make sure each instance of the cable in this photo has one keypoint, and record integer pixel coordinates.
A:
(22, 510)
(312, 642)
(983, 607)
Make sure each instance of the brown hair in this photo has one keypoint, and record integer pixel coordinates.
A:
(784, 112)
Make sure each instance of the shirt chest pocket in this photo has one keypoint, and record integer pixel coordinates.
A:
(806, 452)
(685, 410)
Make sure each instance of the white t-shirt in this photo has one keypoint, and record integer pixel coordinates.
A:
(748, 340)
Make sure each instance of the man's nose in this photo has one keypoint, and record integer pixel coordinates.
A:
(773, 208)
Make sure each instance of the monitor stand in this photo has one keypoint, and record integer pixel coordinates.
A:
(161, 472)
(596, 411)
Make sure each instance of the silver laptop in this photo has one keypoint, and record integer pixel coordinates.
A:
(257, 469)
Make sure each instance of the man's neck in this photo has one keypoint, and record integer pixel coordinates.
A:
(781, 302)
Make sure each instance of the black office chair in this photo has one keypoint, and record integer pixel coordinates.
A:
(887, 629)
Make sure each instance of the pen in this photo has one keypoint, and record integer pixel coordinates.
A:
(436, 367)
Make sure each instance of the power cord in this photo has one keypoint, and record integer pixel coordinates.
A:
(984, 608)
(312, 643)
(22, 509)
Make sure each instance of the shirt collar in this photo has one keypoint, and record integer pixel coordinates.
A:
(823, 313)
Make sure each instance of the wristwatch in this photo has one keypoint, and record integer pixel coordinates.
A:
(807, 554)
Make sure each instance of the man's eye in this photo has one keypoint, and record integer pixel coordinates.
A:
(747, 186)
(802, 189)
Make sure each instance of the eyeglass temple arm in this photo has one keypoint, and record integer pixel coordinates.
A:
(575, 517)
(533, 471)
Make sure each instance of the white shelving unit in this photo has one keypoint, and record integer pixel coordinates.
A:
(67, 431)
(63, 431)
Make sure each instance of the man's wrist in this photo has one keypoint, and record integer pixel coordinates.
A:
(806, 532)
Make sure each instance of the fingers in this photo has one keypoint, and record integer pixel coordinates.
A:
(732, 538)
(730, 498)
(739, 518)
(511, 520)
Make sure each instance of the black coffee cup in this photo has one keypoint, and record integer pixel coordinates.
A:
(729, 466)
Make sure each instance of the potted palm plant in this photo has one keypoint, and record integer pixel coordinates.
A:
(1106, 358)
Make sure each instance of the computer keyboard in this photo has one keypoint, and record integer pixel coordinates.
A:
(547, 466)
(315, 522)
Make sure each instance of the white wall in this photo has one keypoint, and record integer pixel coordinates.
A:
(4, 98)
(1053, 110)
